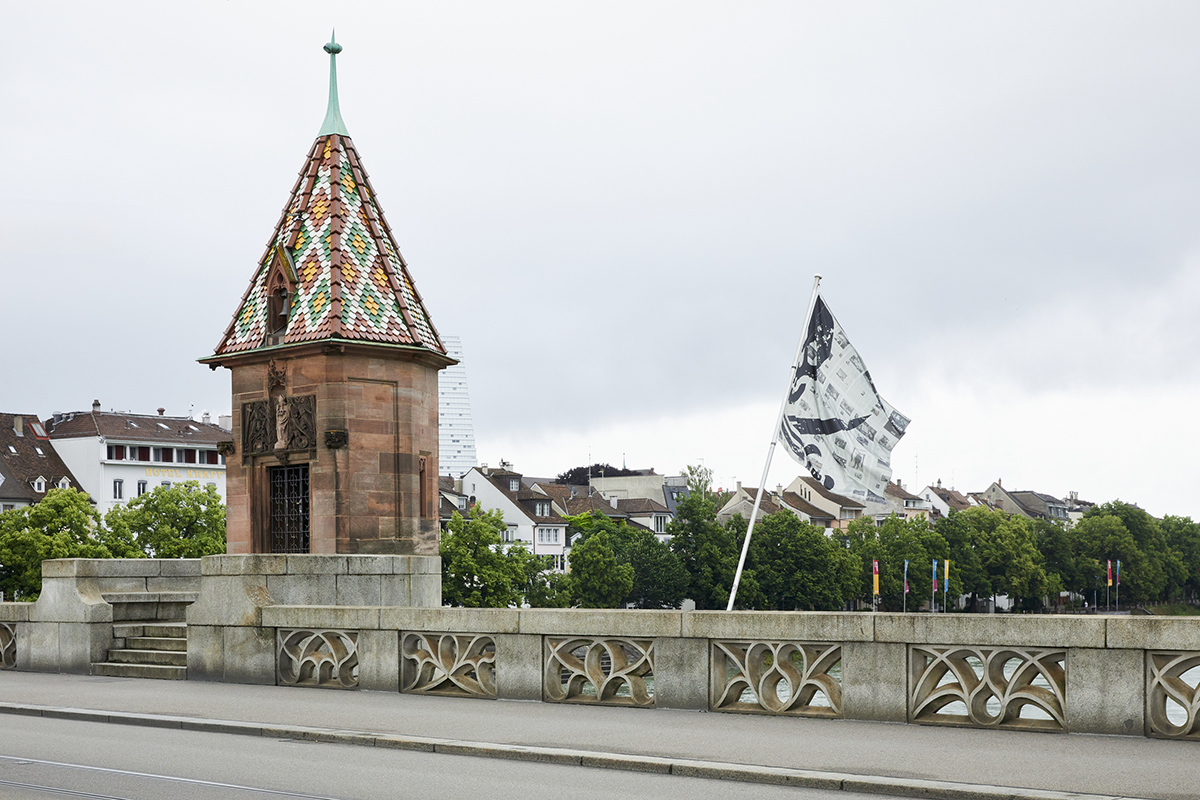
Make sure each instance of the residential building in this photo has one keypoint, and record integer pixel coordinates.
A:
(1034, 505)
(119, 456)
(904, 503)
(842, 509)
(456, 431)
(665, 489)
(30, 465)
(942, 500)
(530, 515)
(1076, 508)
(650, 513)
(742, 504)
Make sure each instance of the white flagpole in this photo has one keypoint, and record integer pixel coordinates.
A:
(737, 578)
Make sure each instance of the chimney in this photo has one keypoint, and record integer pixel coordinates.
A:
(739, 486)
(1000, 482)
(95, 406)
(205, 418)
(613, 501)
(939, 483)
(161, 410)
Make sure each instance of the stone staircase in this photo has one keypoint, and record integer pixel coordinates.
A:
(149, 635)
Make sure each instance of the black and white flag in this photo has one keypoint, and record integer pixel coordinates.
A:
(834, 421)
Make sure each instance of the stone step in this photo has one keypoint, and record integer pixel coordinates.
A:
(160, 671)
(176, 659)
(156, 643)
(124, 630)
(166, 630)
(133, 607)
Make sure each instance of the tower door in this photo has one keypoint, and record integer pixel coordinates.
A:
(289, 509)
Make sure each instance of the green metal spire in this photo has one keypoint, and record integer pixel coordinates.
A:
(333, 115)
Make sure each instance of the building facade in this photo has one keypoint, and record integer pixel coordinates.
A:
(118, 456)
(456, 430)
(30, 465)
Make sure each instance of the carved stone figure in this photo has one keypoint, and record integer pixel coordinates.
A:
(283, 423)
(258, 427)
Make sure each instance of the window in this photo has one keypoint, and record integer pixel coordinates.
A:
(462, 504)
(164, 426)
(542, 509)
(188, 456)
(167, 484)
(509, 533)
(118, 489)
(164, 454)
(209, 457)
(660, 523)
(141, 488)
(39, 450)
(12, 449)
(7, 507)
(210, 483)
(39, 485)
(116, 452)
(143, 453)
(514, 484)
(64, 484)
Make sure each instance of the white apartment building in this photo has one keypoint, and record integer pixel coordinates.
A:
(456, 431)
(529, 515)
(118, 456)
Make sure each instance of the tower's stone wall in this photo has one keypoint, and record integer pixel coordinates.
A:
(373, 490)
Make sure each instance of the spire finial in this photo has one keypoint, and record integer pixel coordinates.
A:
(333, 115)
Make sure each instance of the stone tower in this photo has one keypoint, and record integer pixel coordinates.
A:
(334, 362)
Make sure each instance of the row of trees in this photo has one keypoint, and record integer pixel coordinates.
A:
(182, 521)
(795, 565)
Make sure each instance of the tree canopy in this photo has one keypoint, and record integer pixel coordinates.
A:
(578, 476)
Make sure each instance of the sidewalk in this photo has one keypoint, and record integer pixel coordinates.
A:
(899, 758)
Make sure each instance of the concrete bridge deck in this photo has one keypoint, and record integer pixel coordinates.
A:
(887, 758)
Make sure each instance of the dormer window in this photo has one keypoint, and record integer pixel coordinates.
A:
(64, 484)
(39, 485)
(514, 484)
(542, 509)
(279, 295)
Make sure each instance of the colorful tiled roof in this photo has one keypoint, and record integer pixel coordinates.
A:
(333, 250)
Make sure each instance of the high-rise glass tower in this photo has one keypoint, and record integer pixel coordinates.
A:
(456, 432)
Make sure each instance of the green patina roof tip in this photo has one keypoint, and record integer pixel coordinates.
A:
(333, 115)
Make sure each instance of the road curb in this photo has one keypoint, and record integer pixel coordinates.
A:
(684, 767)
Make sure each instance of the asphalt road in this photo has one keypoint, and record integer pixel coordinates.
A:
(43, 758)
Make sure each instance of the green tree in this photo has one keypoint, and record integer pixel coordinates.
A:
(63, 525)
(180, 521)
(965, 560)
(699, 479)
(475, 569)
(659, 579)
(537, 583)
(707, 550)
(1159, 572)
(1183, 536)
(792, 565)
(599, 581)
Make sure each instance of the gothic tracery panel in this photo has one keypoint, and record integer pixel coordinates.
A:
(776, 678)
(449, 664)
(8, 645)
(1173, 694)
(1006, 687)
(599, 669)
(322, 658)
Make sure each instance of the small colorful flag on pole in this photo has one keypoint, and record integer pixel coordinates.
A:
(906, 576)
(1110, 572)
(875, 566)
(1118, 572)
(946, 573)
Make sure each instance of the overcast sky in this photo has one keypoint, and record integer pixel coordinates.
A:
(619, 208)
